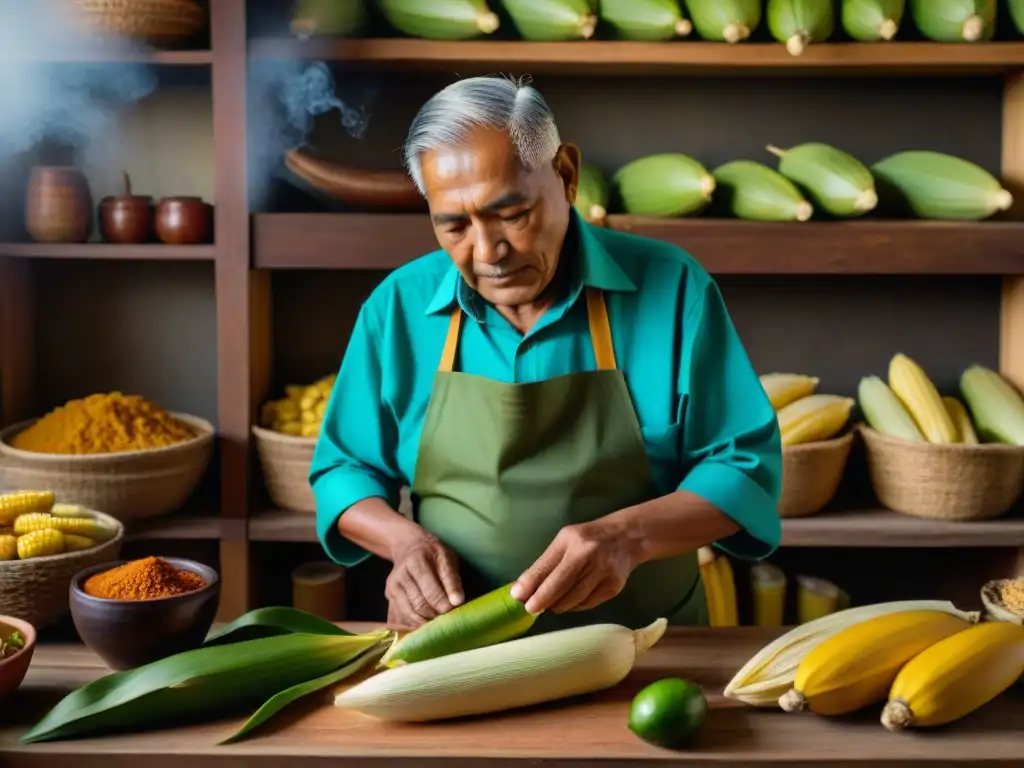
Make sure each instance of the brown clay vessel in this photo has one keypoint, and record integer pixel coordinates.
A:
(58, 205)
(126, 218)
(184, 221)
(14, 667)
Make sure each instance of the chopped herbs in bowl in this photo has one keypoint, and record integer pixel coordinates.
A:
(10, 643)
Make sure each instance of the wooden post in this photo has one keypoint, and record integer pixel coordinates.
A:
(17, 340)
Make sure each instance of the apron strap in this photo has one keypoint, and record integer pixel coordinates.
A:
(600, 334)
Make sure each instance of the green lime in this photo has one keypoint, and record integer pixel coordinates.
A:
(668, 712)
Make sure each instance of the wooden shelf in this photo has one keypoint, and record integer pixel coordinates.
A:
(144, 252)
(204, 525)
(639, 58)
(279, 525)
(723, 246)
(190, 58)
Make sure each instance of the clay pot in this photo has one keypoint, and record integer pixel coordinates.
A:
(58, 205)
(184, 221)
(126, 218)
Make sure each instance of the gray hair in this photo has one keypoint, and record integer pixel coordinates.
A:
(484, 102)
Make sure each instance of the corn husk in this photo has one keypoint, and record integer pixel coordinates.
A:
(872, 20)
(835, 181)
(337, 18)
(647, 20)
(725, 21)
(664, 185)
(934, 185)
(997, 408)
(552, 20)
(592, 195)
(1016, 9)
(955, 21)
(440, 19)
(756, 192)
(798, 23)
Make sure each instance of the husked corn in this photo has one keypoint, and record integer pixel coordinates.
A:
(785, 388)
(23, 502)
(813, 418)
(81, 525)
(75, 543)
(961, 419)
(48, 541)
(8, 547)
(917, 392)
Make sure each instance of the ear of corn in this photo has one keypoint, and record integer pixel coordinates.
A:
(69, 510)
(592, 195)
(798, 23)
(836, 182)
(785, 388)
(83, 526)
(552, 20)
(648, 20)
(813, 418)
(961, 419)
(717, 576)
(871, 20)
(935, 185)
(996, 407)
(23, 503)
(771, 671)
(756, 192)
(341, 18)
(42, 543)
(489, 619)
(664, 185)
(523, 672)
(956, 676)
(725, 21)
(885, 412)
(954, 21)
(1016, 9)
(857, 666)
(917, 392)
(440, 19)
(8, 547)
(75, 543)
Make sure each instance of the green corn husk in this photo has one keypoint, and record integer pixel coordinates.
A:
(1016, 9)
(489, 619)
(756, 192)
(646, 20)
(441, 19)
(272, 621)
(955, 21)
(552, 20)
(725, 21)
(884, 411)
(798, 23)
(872, 20)
(934, 185)
(341, 18)
(997, 408)
(592, 195)
(205, 682)
(835, 181)
(664, 185)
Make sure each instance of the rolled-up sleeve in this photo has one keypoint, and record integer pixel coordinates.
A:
(354, 457)
(731, 444)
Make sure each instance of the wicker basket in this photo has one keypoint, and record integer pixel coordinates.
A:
(811, 474)
(128, 486)
(159, 22)
(944, 482)
(36, 590)
(285, 460)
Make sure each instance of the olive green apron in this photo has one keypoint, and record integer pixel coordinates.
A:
(503, 467)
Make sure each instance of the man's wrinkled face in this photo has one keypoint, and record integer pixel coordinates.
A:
(502, 225)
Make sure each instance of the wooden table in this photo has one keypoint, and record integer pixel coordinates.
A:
(585, 732)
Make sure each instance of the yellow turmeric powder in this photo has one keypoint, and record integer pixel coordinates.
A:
(103, 423)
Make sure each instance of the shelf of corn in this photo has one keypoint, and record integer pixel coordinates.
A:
(33, 525)
(805, 415)
(909, 406)
(300, 412)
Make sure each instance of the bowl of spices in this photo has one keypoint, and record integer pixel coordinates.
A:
(132, 613)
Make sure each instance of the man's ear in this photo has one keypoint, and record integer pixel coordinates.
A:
(567, 163)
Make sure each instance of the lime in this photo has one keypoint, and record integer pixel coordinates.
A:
(668, 712)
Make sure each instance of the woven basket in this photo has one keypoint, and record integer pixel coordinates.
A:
(285, 460)
(36, 590)
(155, 21)
(811, 474)
(944, 482)
(129, 485)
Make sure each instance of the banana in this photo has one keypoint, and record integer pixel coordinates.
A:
(713, 593)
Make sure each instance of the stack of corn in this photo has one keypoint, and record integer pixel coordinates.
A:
(804, 415)
(719, 582)
(301, 411)
(33, 525)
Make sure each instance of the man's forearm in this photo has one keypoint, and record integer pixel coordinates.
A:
(670, 525)
(377, 528)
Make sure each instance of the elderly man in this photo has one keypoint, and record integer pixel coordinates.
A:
(571, 405)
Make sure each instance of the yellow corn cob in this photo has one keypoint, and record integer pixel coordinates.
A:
(857, 667)
(917, 392)
(43, 543)
(813, 418)
(785, 388)
(711, 579)
(83, 526)
(23, 502)
(728, 580)
(70, 510)
(75, 543)
(961, 419)
(8, 547)
(956, 676)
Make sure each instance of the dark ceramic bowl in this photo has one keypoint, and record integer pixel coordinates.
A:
(14, 667)
(130, 633)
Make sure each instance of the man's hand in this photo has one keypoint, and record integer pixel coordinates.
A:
(586, 565)
(423, 583)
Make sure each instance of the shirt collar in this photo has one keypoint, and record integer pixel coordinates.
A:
(598, 269)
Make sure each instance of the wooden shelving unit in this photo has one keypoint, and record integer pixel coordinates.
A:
(251, 247)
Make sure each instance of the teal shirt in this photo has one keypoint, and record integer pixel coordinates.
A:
(706, 422)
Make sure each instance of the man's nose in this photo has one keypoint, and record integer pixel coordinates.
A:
(489, 248)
